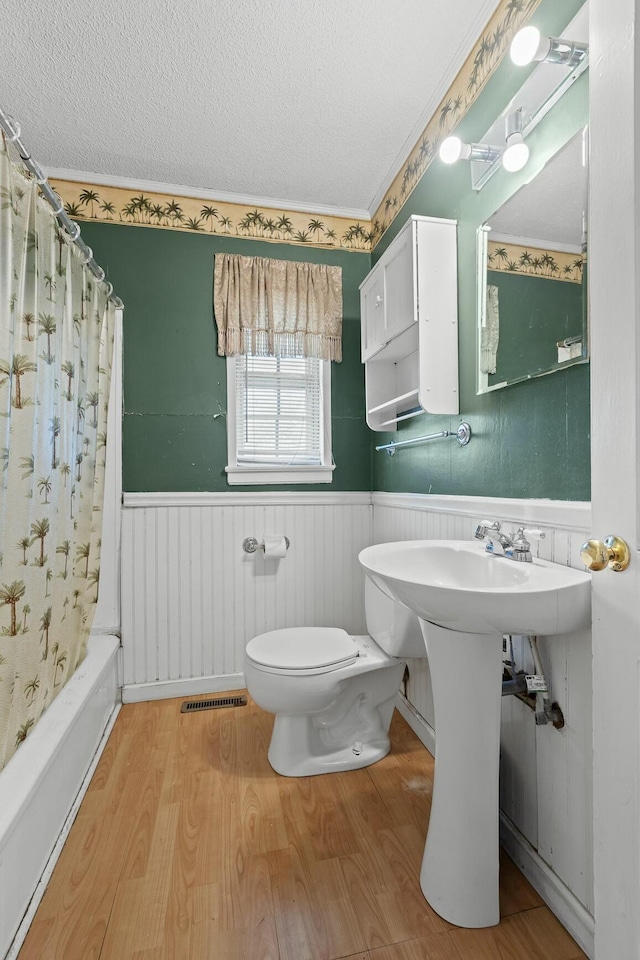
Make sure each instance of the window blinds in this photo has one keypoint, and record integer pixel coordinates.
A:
(279, 410)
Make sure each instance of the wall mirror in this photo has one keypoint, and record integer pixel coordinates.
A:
(531, 272)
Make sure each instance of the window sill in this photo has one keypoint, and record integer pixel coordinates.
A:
(262, 473)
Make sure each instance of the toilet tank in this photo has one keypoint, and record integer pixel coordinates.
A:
(394, 628)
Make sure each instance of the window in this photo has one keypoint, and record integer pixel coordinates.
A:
(279, 420)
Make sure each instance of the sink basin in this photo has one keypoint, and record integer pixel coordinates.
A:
(458, 585)
(466, 600)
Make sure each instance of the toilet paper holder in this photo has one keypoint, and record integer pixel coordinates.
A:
(250, 544)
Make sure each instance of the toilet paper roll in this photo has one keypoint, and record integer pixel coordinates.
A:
(274, 548)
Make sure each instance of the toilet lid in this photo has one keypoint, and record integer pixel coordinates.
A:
(302, 648)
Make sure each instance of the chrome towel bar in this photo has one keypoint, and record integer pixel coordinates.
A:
(462, 435)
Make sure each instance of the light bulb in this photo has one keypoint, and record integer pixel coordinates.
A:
(451, 149)
(516, 154)
(527, 45)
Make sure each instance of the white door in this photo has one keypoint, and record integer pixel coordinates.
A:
(615, 397)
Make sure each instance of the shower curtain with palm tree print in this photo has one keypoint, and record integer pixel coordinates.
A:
(56, 336)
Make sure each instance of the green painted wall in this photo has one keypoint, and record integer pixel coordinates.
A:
(174, 381)
(535, 313)
(530, 439)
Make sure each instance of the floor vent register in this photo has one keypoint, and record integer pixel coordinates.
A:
(191, 706)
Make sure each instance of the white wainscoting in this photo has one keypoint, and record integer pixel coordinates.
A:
(545, 774)
(191, 598)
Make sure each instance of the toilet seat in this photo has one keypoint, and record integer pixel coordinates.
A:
(302, 649)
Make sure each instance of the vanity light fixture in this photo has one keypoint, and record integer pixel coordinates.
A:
(453, 149)
(514, 155)
(516, 152)
(528, 45)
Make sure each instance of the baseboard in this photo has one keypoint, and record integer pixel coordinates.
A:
(190, 687)
(567, 908)
(423, 730)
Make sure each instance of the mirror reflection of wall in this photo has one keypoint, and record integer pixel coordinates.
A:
(533, 318)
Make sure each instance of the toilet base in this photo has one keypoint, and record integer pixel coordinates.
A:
(297, 750)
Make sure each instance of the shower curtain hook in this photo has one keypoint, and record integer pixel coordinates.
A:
(14, 126)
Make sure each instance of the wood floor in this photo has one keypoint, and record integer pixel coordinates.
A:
(189, 847)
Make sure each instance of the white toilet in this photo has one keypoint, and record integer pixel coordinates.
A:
(332, 694)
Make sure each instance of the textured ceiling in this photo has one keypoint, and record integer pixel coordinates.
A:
(312, 104)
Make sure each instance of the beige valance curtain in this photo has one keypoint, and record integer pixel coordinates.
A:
(277, 307)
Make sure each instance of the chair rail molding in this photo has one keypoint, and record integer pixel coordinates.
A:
(568, 514)
(253, 498)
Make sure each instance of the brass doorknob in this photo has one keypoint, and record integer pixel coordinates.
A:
(611, 552)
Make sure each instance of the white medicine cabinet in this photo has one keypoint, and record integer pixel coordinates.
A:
(409, 319)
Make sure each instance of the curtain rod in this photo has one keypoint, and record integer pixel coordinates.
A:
(71, 228)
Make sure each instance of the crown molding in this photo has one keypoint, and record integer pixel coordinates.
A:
(481, 63)
(507, 238)
(485, 12)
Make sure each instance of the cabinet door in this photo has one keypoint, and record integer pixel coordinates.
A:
(372, 312)
(399, 284)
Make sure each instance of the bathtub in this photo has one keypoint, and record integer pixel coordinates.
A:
(42, 784)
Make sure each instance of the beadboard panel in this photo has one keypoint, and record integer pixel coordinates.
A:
(546, 779)
(191, 598)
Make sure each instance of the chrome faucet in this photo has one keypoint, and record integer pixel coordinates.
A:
(498, 543)
(514, 547)
(484, 526)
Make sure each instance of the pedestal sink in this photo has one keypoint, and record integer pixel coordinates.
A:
(467, 599)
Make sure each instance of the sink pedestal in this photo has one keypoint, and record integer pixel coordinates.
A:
(459, 875)
(459, 584)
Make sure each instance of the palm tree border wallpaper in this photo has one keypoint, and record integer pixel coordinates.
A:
(85, 201)
(535, 261)
(486, 55)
